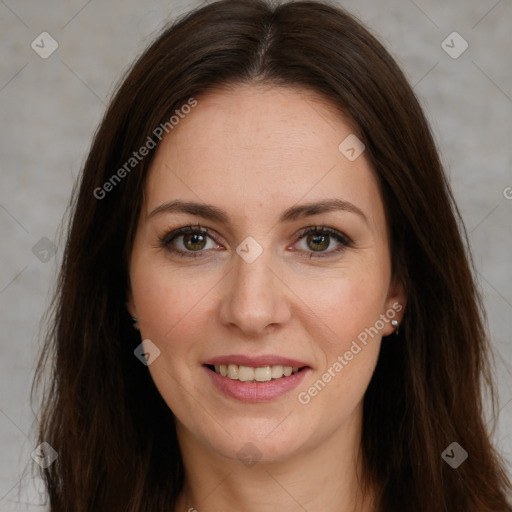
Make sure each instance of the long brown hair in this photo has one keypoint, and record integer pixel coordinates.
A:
(102, 412)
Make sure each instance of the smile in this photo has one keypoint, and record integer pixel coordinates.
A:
(255, 379)
(250, 374)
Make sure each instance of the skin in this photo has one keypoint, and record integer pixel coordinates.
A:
(255, 151)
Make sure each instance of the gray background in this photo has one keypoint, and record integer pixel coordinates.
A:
(49, 109)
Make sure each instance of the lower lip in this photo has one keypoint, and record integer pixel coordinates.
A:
(255, 391)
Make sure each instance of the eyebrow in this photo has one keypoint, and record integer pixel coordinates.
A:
(291, 214)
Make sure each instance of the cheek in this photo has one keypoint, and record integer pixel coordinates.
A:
(350, 348)
(172, 311)
(167, 300)
(344, 304)
(346, 329)
(360, 305)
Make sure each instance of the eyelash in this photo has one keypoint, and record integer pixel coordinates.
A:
(344, 240)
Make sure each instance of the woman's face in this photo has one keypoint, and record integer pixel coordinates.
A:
(261, 168)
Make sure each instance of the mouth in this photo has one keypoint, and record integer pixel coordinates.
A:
(252, 374)
(255, 379)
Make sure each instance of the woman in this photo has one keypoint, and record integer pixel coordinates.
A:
(265, 301)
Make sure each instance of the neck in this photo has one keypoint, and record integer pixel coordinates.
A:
(326, 477)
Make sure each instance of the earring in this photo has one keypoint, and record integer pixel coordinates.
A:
(396, 325)
(134, 321)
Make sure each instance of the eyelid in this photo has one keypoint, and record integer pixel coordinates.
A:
(344, 240)
(166, 240)
(340, 237)
(174, 233)
(324, 230)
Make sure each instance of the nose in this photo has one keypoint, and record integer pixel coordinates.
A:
(255, 299)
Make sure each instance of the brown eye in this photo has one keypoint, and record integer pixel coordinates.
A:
(189, 241)
(194, 241)
(323, 241)
(318, 242)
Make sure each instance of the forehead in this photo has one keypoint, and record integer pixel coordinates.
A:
(267, 120)
(259, 144)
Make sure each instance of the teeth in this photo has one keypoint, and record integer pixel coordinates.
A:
(245, 373)
(276, 372)
(260, 374)
(263, 374)
(233, 371)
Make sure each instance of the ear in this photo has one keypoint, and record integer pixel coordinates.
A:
(131, 308)
(395, 305)
(130, 304)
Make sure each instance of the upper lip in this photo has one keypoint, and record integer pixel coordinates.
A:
(256, 361)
